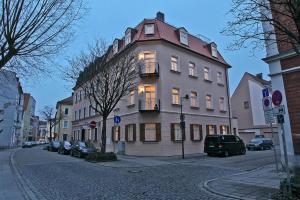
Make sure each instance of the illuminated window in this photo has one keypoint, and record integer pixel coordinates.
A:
(174, 63)
(192, 69)
(131, 98)
(175, 96)
(209, 104)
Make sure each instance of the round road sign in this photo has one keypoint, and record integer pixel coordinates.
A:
(276, 97)
(117, 119)
(92, 124)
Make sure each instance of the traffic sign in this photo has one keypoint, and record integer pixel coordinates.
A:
(93, 124)
(265, 92)
(117, 119)
(267, 103)
(276, 97)
(269, 116)
(280, 110)
(280, 119)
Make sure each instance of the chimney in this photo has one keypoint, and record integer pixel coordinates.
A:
(260, 76)
(160, 16)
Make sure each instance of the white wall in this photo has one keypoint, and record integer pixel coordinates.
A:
(256, 103)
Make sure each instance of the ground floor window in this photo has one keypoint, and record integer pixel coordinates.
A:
(150, 132)
(116, 133)
(130, 132)
(196, 132)
(211, 129)
(176, 134)
(224, 129)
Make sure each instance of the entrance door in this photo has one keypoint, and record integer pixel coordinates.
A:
(83, 135)
(150, 97)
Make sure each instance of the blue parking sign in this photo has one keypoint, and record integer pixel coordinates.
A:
(117, 119)
(265, 92)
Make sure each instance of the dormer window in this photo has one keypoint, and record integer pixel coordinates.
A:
(213, 48)
(149, 29)
(127, 36)
(116, 46)
(183, 36)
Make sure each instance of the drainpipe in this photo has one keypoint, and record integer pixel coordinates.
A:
(228, 99)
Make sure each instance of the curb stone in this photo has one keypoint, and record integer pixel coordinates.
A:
(24, 184)
(209, 189)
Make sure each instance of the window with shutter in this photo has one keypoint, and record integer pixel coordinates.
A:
(158, 132)
(129, 132)
(142, 132)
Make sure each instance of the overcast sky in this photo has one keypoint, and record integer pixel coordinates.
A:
(109, 19)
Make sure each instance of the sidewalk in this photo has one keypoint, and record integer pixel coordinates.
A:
(257, 184)
(9, 188)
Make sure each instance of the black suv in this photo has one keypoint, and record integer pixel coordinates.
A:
(64, 148)
(260, 144)
(81, 149)
(223, 145)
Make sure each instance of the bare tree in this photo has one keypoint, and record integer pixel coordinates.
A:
(48, 113)
(106, 80)
(32, 31)
(248, 16)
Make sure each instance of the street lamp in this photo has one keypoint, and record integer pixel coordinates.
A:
(182, 123)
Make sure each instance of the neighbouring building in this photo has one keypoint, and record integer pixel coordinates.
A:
(11, 109)
(171, 63)
(248, 108)
(29, 126)
(64, 113)
(43, 129)
(284, 66)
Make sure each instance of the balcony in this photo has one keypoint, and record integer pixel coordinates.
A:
(148, 69)
(149, 105)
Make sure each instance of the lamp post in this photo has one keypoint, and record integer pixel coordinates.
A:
(182, 123)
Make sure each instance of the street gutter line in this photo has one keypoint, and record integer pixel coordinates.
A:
(24, 184)
(208, 189)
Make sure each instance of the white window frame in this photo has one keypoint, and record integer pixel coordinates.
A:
(183, 35)
(194, 99)
(214, 51)
(130, 132)
(209, 102)
(128, 37)
(220, 78)
(131, 97)
(66, 124)
(207, 74)
(222, 104)
(149, 29)
(175, 96)
(177, 132)
(174, 63)
(196, 131)
(150, 129)
(192, 69)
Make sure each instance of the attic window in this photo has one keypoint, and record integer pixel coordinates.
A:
(115, 46)
(214, 51)
(127, 37)
(149, 29)
(183, 37)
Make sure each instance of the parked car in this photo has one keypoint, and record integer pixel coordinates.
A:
(81, 149)
(260, 144)
(224, 145)
(53, 146)
(27, 144)
(64, 148)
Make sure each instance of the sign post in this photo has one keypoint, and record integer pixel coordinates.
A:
(269, 117)
(280, 111)
(117, 120)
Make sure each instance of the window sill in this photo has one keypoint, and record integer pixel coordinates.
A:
(210, 109)
(175, 104)
(193, 76)
(130, 105)
(176, 72)
(223, 111)
(151, 142)
(207, 80)
(221, 84)
(195, 107)
(131, 141)
(177, 141)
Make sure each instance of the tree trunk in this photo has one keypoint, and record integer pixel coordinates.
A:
(50, 129)
(4, 60)
(103, 135)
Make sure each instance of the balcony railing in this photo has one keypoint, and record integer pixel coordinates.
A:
(149, 105)
(147, 69)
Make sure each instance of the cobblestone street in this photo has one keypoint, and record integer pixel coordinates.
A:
(55, 176)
